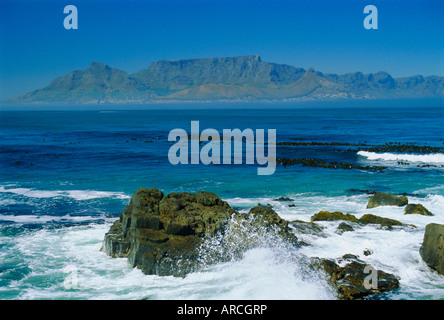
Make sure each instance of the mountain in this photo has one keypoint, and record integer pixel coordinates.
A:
(245, 78)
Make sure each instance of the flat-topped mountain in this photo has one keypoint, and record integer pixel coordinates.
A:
(245, 78)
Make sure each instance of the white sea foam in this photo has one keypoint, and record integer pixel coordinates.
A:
(425, 158)
(74, 194)
(263, 273)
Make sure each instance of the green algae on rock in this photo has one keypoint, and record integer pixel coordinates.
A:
(385, 199)
(432, 248)
(414, 208)
(332, 216)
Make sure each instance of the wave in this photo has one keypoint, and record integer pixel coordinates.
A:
(45, 219)
(74, 194)
(426, 158)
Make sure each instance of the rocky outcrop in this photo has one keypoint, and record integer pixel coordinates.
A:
(353, 279)
(179, 233)
(385, 199)
(163, 235)
(432, 249)
(417, 209)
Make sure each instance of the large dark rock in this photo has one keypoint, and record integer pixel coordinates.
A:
(432, 249)
(163, 235)
(385, 199)
(353, 279)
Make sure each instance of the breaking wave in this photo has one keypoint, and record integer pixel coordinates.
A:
(426, 158)
(74, 194)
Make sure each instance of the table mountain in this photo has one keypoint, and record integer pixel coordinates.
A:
(245, 78)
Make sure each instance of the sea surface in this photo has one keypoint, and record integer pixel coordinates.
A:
(67, 172)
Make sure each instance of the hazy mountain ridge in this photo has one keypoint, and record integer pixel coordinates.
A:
(245, 78)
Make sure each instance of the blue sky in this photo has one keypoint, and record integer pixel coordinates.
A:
(327, 35)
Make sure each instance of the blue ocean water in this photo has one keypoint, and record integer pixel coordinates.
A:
(66, 174)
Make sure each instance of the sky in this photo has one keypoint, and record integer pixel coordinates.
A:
(327, 35)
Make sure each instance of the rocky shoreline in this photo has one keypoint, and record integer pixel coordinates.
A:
(179, 233)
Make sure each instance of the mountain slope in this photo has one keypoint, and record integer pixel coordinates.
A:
(230, 78)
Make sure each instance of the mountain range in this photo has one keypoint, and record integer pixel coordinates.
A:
(244, 78)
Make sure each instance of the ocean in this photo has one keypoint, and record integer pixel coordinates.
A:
(67, 172)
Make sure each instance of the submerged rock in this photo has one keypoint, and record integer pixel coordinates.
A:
(353, 279)
(432, 249)
(302, 227)
(344, 227)
(385, 199)
(326, 164)
(417, 209)
(283, 199)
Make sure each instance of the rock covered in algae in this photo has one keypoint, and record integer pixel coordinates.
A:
(432, 248)
(417, 209)
(386, 199)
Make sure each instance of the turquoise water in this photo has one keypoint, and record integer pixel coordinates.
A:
(66, 175)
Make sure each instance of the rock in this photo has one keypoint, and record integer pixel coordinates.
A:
(432, 249)
(161, 234)
(365, 219)
(164, 235)
(344, 227)
(324, 164)
(260, 220)
(302, 227)
(332, 216)
(350, 276)
(417, 209)
(383, 222)
(283, 199)
(385, 199)
(357, 191)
